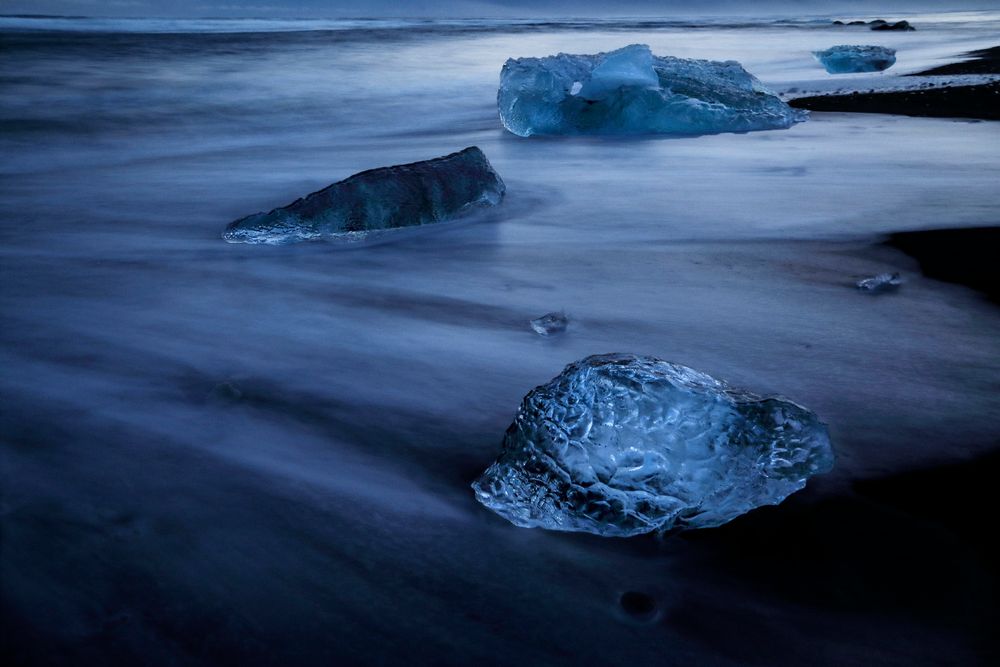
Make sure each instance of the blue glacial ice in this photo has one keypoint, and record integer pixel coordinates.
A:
(621, 445)
(883, 282)
(373, 201)
(848, 59)
(550, 324)
(631, 91)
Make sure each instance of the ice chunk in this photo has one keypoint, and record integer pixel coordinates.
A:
(883, 282)
(848, 58)
(620, 445)
(631, 66)
(405, 195)
(631, 91)
(550, 323)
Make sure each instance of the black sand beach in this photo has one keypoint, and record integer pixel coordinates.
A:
(964, 256)
(937, 100)
(976, 102)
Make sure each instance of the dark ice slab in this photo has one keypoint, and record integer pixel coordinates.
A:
(408, 195)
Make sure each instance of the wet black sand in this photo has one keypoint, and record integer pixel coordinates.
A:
(982, 61)
(979, 101)
(964, 256)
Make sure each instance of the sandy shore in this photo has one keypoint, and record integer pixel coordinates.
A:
(980, 101)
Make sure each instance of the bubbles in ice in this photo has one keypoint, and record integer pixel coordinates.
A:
(620, 445)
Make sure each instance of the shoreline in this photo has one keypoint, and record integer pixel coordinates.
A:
(980, 101)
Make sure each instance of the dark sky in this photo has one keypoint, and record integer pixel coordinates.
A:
(332, 8)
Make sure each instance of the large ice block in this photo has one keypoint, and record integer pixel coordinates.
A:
(620, 445)
(405, 195)
(850, 58)
(631, 91)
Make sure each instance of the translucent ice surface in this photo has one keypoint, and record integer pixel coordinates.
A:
(882, 282)
(550, 323)
(405, 195)
(847, 59)
(631, 91)
(620, 445)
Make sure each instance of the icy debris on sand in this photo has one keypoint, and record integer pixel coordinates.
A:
(621, 445)
(405, 195)
(550, 323)
(883, 282)
(631, 91)
(847, 59)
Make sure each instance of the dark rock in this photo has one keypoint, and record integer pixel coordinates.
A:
(897, 26)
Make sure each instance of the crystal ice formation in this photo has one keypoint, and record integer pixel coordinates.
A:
(621, 445)
(405, 195)
(882, 282)
(847, 59)
(550, 323)
(631, 91)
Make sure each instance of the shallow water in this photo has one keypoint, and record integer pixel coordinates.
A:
(218, 452)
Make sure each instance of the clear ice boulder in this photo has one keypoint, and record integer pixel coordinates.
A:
(621, 445)
(550, 324)
(631, 91)
(849, 59)
(408, 195)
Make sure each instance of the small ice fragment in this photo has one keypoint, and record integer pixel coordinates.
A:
(883, 282)
(621, 445)
(848, 58)
(631, 91)
(550, 323)
(420, 193)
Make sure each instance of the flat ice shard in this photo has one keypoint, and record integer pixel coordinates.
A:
(882, 282)
(631, 91)
(405, 195)
(621, 445)
(850, 58)
(550, 323)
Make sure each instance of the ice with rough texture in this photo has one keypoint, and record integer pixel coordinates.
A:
(550, 323)
(621, 445)
(631, 91)
(852, 58)
(882, 282)
(407, 195)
